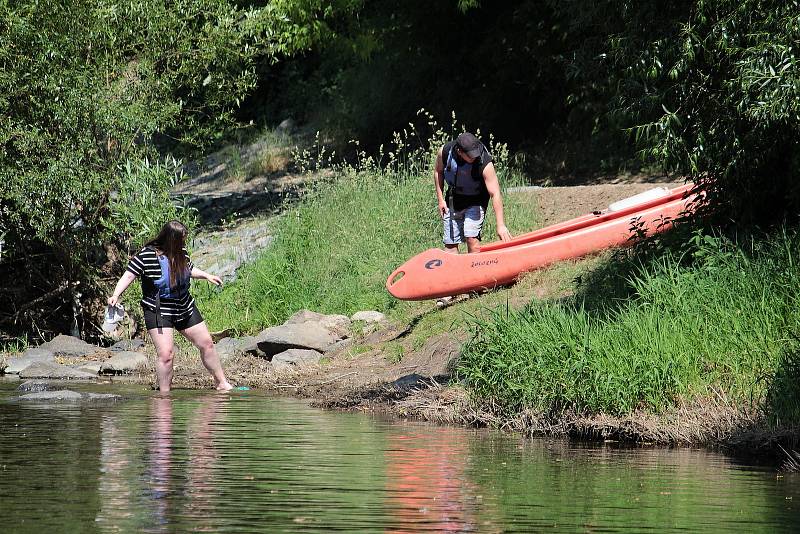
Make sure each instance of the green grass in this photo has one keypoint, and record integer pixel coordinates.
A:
(12, 345)
(679, 320)
(334, 249)
(653, 331)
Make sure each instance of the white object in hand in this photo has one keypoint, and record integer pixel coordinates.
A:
(114, 314)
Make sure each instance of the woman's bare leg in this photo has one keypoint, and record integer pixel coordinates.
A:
(201, 338)
(165, 354)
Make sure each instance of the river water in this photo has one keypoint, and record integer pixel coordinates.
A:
(247, 462)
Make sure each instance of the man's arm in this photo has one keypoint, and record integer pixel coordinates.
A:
(493, 187)
(438, 180)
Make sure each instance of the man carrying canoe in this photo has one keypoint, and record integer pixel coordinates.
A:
(466, 166)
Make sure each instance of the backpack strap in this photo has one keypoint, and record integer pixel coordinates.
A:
(158, 296)
(452, 191)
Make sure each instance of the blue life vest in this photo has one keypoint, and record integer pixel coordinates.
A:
(162, 284)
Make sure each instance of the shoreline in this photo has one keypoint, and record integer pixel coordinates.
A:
(418, 388)
(398, 390)
(404, 369)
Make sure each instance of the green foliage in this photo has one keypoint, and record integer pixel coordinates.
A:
(295, 25)
(714, 318)
(87, 113)
(708, 88)
(142, 205)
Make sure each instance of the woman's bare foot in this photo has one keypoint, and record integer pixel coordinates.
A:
(224, 386)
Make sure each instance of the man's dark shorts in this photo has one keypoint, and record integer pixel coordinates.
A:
(179, 323)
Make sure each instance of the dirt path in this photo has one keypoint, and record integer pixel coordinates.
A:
(557, 204)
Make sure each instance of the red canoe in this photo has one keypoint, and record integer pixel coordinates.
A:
(436, 273)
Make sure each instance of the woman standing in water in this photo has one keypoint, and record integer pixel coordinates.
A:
(165, 269)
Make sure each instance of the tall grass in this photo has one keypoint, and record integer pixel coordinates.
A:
(713, 319)
(334, 249)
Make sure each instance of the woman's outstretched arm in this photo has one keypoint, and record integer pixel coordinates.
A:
(123, 283)
(202, 275)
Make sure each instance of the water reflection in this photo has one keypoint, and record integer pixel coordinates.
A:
(207, 462)
(427, 486)
(160, 456)
(169, 478)
(116, 493)
(203, 479)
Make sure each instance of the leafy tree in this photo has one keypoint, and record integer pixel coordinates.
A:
(708, 88)
(91, 95)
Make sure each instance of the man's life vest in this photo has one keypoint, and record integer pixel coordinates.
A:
(464, 180)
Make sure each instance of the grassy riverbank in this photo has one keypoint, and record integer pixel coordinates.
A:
(713, 319)
(334, 249)
(688, 320)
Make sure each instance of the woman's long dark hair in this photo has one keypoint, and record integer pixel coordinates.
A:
(171, 241)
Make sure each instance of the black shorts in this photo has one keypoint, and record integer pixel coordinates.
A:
(167, 321)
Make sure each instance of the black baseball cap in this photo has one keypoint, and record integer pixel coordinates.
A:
(470, 144)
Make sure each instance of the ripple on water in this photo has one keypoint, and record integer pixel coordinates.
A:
(247, 462)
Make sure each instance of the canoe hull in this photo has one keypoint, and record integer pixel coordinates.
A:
(437, 273)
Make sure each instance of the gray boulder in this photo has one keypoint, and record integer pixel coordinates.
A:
(228, 347)
(67, 395)
(39, 352)
(304, 316)
(249, 345)
(70, 347)
(60, 395)
(338, 325)
(123, 362)
(295, 336)
(369, 317)
(295, 358)
(35, 386)
(341, 345)
(29, 357)
(127, 344)
(54, 370)
(89, 367)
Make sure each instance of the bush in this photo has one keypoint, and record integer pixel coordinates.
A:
(708, 89)
(87, 114)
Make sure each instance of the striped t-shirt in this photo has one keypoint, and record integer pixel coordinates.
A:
(145, 265)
